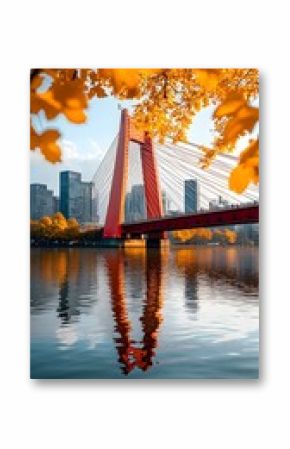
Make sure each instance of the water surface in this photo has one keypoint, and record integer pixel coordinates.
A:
(183, 312)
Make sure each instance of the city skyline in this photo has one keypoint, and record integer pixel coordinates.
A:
(76, 199)
(82, 201)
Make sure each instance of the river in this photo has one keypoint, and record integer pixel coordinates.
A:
(183, 312)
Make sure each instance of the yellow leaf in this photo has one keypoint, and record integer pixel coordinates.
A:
(45, 101)
(70, 94)
(207, 78)
(68, 99)
(36, 82)
(46, 142)
(51, 152)
(248, 169)
(99, 91)
(230, 105)
(50, 135)
(243, 121)
(252, 151)
(126, 81)
(75, 115)
(240, 178)
(248, 112)
(33, 138)
(233, 130)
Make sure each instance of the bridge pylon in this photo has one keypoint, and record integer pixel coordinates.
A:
(116, 206)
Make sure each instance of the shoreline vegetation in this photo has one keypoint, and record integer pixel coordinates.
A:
(58, 232)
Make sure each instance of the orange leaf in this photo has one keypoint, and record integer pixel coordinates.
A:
(230, 105)
(240, 178)
(207, 78)
(36, 82)
(126, 82)
(51, 152)
(252, 151)
(46, 142)
(240, 124)
(75, 115)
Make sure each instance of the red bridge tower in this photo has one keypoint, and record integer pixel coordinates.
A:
(116, 207)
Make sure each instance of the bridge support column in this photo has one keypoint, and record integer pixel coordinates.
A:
(115, 212)
(151, 182)
(157, 243)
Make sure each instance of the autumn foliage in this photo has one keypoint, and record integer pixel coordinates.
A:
(205, 234)
(55, 227)
(166, 102)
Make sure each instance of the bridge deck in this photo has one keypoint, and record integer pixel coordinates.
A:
(222, 217)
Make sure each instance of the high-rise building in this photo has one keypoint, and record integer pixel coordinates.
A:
(70, 194)
(87, 196)
(56, 204)
(95, 205)
(75, 197)
(135, 204)
(191, 196)
(41, 201)
(128, 207)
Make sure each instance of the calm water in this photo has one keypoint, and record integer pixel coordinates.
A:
(179, 313)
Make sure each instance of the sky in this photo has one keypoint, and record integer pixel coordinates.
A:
(83, 146)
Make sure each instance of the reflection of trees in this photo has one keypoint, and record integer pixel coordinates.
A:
(235, 265)
(132, 355)
(186, 262)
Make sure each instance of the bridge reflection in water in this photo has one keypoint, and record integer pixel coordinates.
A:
(139, 304)
(134, 354)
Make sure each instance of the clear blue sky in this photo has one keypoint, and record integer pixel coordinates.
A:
(83, 146)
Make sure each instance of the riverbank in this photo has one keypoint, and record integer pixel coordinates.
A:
(133, 243)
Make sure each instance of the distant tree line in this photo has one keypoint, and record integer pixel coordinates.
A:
(205, 235)
(56, 227)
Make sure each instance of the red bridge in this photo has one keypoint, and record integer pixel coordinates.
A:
(224, 217)
(156, 225)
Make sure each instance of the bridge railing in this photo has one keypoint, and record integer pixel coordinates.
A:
(199, 212)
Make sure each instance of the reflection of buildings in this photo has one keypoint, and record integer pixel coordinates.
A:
(75, 285)
(191, 194)
(249, 233)
(191, 290)
(131, 354)
(76, 197)
(61, 269)
(234, 265)
(135, 204)
(42, 201)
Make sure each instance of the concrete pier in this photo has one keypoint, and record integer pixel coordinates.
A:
(157, 243)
